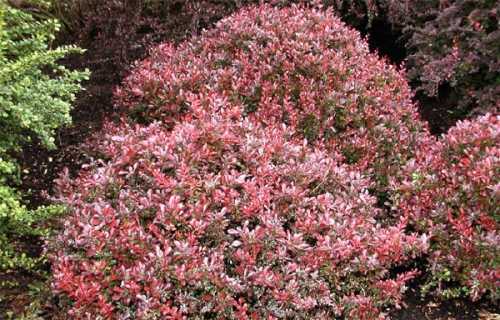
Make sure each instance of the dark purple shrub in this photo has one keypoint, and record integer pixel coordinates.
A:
(455, 43)
(452, 48)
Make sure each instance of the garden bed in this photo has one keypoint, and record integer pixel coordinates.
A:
(40, 168)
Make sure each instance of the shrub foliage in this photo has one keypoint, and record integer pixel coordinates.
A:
(463, 35)
(258, 192)
(36, 91)
(454, 43)
(272, 167)
(452, 193)
(35, 97)
(226, 218)
(311, 73)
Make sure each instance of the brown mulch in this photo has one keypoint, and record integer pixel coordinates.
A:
(418, 308)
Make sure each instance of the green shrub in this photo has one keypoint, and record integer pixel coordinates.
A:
(35, 100)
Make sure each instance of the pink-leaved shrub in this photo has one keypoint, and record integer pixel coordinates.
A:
(304, 68)
(224, 218)
(251, 187)
(452, 192)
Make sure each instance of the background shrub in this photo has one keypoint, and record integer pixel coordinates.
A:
(454, 44)
(245, 200)
(35, 97)
(451, 192)
(452, 51)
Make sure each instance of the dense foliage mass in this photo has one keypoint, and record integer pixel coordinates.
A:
(35, 97)
(451, 191)
(459, 66)
(259, 192)
(311, 73)
(230, 219)
(36, 91)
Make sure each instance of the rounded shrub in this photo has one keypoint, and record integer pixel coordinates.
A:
(303, 68)
(252, 186)
(451, 191)
(225, 218)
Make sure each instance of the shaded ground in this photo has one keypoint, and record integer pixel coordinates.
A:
(435, 110)
(459, 309)
(40, 167)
